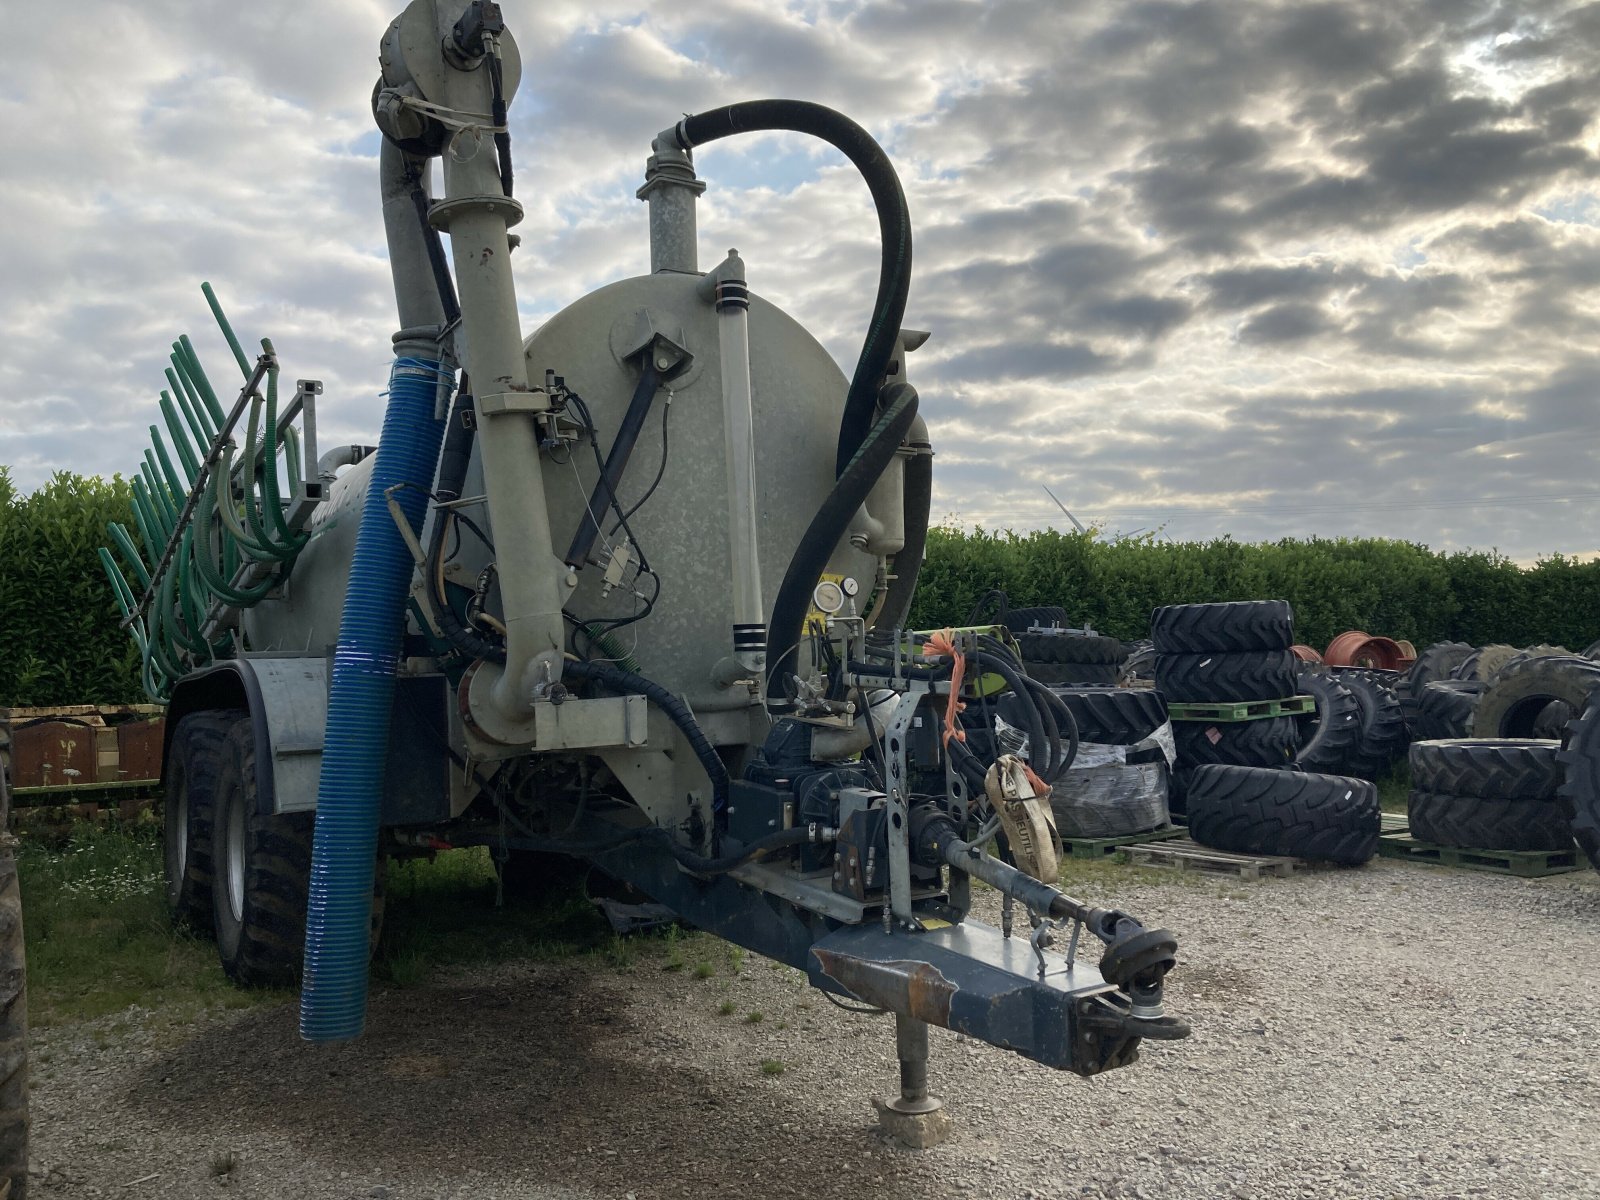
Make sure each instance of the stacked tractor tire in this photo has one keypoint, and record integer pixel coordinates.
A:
(1240, 781)
(1508, 749)
(1056, 654)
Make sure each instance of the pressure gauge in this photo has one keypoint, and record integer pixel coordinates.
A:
(828, 598)
(849, 586)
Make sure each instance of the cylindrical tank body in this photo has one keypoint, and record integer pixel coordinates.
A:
(798, 395)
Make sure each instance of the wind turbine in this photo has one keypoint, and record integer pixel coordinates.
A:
(1077, 524)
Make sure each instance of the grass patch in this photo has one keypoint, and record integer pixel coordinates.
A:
(441, 912)
(98, 935)
(772, 1066)
(1394, 789)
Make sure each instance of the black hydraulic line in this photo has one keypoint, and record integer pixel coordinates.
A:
(497, 115)
(604, 494)
(850, 492)
(884, 671)
(436, 259)
(894, 225)
(908, 561)
(453, 459)
(1066, 723)
(677, 712)
(1044, 748)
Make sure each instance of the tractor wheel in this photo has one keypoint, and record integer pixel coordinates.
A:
(1247, 810)
(1217, 677)
(13, 1020)
(262, 877)
(1232, 627)
(187, 812)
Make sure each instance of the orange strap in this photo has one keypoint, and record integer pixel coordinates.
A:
(944, 642)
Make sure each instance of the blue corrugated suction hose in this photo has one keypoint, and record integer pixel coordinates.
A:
(333, 998)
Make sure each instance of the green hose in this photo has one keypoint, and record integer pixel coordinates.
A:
(219, 542)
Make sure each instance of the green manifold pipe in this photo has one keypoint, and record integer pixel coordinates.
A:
(238, 520)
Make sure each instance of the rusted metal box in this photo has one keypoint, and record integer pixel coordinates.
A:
(53, 754)
(139, 749)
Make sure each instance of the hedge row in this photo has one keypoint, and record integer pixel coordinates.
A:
(60, 642)
(1398, 589)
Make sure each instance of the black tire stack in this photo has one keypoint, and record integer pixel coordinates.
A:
(1072, 658)
(1209, 653)
(1113, 798)
(1383, 737)
(1488, 794)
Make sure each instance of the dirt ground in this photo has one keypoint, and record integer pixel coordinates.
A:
(1392, 1031)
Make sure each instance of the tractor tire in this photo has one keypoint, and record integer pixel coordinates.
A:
(1488, 823)
(187, 812)
(1484, 663)
(14, 1119)
(1112, 716)
(1552, 721)
(1437, 662)
(1069, 648)
(1270, 742)
(1071, 674)
(1020, 620)
(1234, 627)
(1331, 735)
(1580, 781)
(1248, 810)
(1140, 662)
(1383, 728)
(1512, 705)
(1110, 801)
(262, 875)
(1446, 708)
(1217, 677)
(1499, 768)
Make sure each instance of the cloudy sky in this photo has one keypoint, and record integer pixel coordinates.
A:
(1267, 269)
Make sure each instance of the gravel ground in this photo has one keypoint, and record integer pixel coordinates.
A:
(1394, 1031)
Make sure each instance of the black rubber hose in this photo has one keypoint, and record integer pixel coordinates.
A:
(1042, 747)
(908, 562)
(605, 487)
(894, 226)
(883, 671)
(460, 432)
(1066, 724)
(850, 492)
(619, 680)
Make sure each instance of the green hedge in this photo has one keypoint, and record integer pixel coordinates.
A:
(59, 638)
(60, 642)
(1398, 589)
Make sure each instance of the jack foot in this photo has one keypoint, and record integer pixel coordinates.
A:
(916, 1125)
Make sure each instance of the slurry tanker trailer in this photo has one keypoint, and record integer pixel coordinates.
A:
(630, 591)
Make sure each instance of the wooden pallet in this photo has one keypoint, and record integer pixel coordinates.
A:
(1394, 823)
(1188, 855)
(1527, 864)
(1101, 847)
(1243, 710)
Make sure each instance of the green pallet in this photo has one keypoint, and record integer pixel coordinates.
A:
(1528, 864)
(1101, 847)
(1243, 710)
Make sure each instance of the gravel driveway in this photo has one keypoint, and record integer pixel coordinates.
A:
(1392, 1031)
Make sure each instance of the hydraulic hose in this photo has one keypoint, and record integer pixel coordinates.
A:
(816, 546)
(452, 475)
(894, 225)
(349, 797)
(677, 712)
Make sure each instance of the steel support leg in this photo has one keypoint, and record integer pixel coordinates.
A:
(916, 1119)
